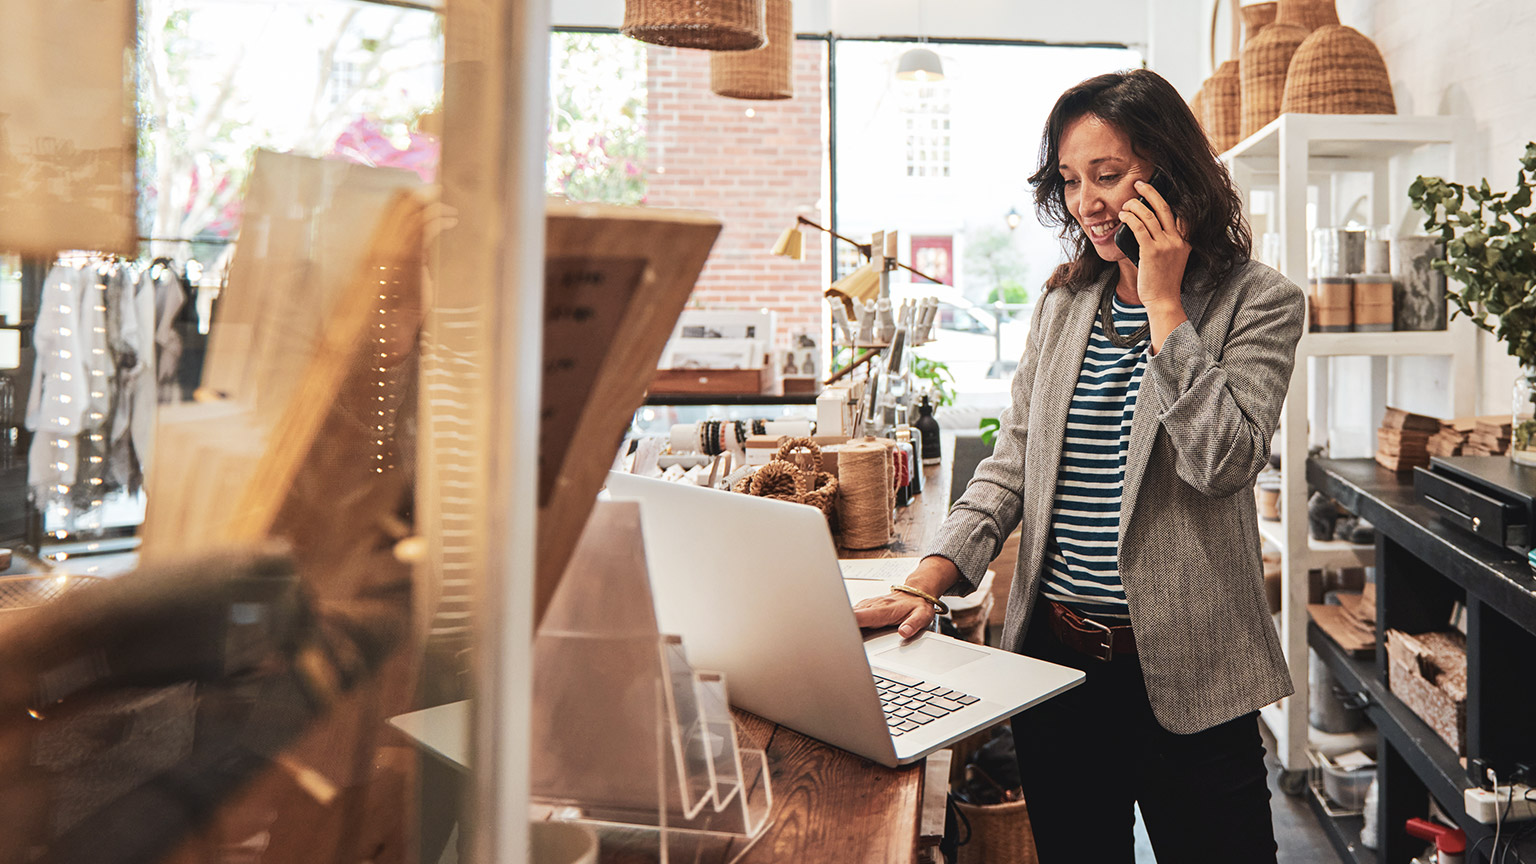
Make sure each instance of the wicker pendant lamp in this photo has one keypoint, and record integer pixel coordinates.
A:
(1266, 59)
(1337, 70)
(1223, 116)
(763, 73)
(715, 25)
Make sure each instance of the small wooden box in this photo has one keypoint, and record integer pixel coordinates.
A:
(712, 382)
(760, 449)
(800, 385)
(1428, 671)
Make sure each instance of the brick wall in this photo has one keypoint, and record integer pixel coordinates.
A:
(753, 173)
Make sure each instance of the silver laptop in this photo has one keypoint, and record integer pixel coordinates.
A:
(753, 587)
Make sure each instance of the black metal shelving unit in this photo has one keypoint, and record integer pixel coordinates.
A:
(1425, 567)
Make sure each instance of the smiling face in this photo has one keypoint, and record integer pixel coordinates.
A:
(1099, 170)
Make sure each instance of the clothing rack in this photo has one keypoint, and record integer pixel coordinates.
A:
(212, 241)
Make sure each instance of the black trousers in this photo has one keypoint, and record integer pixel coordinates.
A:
(1087, 755)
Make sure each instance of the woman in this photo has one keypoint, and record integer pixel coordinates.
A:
(1141, 413)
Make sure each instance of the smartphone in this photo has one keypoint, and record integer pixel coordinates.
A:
(1125, 238)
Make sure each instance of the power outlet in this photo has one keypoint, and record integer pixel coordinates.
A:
(1486, 805)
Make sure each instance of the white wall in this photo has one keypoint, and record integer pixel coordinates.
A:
(1472, 58)
(1167, 32)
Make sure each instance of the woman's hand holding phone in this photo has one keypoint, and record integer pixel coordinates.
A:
(1163, 250)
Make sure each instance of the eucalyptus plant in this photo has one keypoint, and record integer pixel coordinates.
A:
(1490, 251)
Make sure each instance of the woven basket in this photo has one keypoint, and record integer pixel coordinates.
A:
(1266, 58)
(1221, 109)
(1310, 14)
(794, 474)
(1000, 834)
(1337, 70)
(716, 25)
(35, 589)
(1257, 16)
(1197, 107)
(764, 73)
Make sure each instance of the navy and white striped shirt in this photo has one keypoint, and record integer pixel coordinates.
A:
(1082, 570)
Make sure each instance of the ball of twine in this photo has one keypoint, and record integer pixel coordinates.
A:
(863, 468)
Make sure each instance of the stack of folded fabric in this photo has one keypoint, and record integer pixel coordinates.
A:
(1403, 439)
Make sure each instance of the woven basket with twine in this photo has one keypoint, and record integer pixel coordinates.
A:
(1337, 70)
(794, 474)
(763, 73)
(716, 25)
(999, 832)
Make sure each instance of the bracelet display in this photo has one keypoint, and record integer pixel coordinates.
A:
(939, 606)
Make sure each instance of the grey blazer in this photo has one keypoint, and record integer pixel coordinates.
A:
(1189, 543)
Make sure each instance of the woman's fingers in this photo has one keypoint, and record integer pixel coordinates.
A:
(1140, 216)
(1158, 204)
(894, 609)
(916, 622)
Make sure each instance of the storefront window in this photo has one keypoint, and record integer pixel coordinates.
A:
(943, 162)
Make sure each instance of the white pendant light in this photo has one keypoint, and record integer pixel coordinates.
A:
(919, 64)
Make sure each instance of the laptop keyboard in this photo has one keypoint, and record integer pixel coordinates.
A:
(910, 703)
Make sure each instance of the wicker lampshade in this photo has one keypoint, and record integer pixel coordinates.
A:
(1257, 16)
(715, 25)
(763, 73)
(1266, 59)
(1223, 107)
(1337, 70)
(1310, 14)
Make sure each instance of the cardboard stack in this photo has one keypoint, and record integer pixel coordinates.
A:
(1452, 436)
(1403, 439)
(1490, 437)
(1352, 622)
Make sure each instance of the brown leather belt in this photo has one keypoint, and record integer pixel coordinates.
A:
(1087, 636)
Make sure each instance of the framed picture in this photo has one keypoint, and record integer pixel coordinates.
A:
(725, 324)
(712, 353)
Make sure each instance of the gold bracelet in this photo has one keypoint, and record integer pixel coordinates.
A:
(939, 606)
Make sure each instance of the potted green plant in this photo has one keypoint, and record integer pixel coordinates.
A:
(933, 373)
(1490, 252)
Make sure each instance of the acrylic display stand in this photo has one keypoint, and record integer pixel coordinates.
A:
(628, 737)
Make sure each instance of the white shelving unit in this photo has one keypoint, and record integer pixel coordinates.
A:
(1296, 157)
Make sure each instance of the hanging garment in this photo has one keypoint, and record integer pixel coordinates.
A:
(56, 407)
(123, 343)
(141, 425)
(170, 296)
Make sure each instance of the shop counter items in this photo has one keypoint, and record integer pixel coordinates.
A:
(756, 593)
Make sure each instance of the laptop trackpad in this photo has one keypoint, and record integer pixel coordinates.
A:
(933, 656)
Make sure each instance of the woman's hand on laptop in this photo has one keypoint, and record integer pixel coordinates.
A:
(909, 613)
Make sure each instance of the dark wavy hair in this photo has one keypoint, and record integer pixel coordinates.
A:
(1163, 131)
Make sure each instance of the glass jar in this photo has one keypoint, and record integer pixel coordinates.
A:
(1522, 444)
